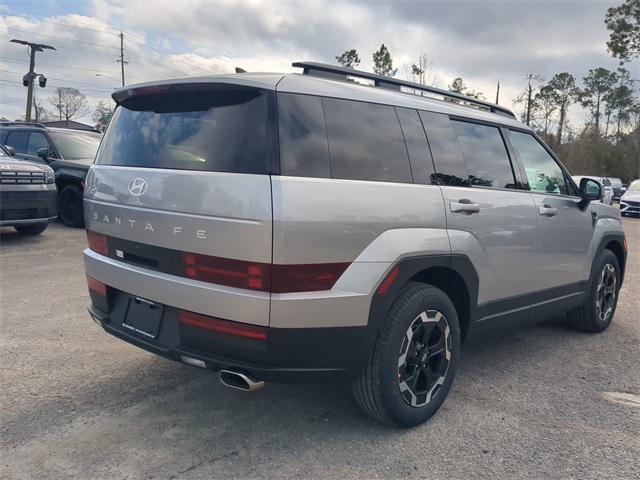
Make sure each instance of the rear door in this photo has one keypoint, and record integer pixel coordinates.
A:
(565, 225)
(488, 219)
(187, 170)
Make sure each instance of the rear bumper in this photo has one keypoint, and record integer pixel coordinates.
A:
(288, 355)
(26, 204)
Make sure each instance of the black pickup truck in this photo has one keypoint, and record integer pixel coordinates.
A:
(68, 152)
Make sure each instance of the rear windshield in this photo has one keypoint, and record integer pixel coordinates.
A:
(212, 128)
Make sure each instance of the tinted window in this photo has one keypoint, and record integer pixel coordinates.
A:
(213, 128)
(304, 151)
(37, 140)
(447, 157)
(365, 142)
(417, 146)
(18, 140)
(76, 145)
(543, 173)
(485, 155)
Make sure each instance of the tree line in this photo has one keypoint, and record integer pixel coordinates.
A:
(608, 142)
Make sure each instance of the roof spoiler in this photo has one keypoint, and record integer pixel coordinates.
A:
(341, 73)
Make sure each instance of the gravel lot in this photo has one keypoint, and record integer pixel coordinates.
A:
(535, 400)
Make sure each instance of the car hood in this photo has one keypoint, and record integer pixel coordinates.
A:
(632, 196)
(81, 163)
(9, 164)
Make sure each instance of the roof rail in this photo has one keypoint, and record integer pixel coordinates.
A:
(341, 73)
(20, 123)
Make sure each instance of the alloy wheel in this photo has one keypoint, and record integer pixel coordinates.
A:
(606, 292)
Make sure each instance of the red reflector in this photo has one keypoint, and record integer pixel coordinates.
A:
(96, 286)
(98, 242)
(384, 286)
(225, 327)
(306, 278)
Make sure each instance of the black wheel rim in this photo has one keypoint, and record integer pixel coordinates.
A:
(69, 207)
(424, 358)
(606, 292)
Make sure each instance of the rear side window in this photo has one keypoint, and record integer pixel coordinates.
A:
(365, 142)
(417, 146)
(485, 155)
(18, 140)
(304, 151)
(543, 173)
(210, 127)
(447, 156)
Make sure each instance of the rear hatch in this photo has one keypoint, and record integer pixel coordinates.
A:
(181, 181)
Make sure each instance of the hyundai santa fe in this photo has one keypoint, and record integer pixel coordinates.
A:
(278, 227)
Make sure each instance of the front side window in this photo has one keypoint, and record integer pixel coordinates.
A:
(543, 172)
(18, 140)
(37, 140)
(365, 142)
(76, 145)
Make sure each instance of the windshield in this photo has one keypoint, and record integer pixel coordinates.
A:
(634, 187)
(76, 145)
(214, 129)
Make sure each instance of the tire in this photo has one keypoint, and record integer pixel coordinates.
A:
(383, 388)
(32, 229)
(597, 311)
(70, 209)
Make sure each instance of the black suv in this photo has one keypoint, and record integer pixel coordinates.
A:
(68, 152)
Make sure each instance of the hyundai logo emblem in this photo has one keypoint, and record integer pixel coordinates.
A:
(138, 187)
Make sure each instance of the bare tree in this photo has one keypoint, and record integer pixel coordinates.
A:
(70, 103)
(40, 113)
(102, 114)
(421, 71)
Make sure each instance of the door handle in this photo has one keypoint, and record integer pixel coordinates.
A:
(548, 210)
(464, 205)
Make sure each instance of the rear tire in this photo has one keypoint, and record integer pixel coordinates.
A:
(33, 229)
(411, 368)
(70, 210)
(597, 311)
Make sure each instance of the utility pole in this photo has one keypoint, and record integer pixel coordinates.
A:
(28, 79)
(121, 60)
(498, 93)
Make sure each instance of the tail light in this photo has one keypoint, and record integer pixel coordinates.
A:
(262, 276)
(98, 242)
(225, 327)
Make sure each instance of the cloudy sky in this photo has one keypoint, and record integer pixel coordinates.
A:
(481, 41)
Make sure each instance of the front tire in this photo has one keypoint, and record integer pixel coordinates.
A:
(597, 311)
(410, 371)
(33, 229)
(70, 210)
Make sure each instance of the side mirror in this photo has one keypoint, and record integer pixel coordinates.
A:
(43, 153)
(10, 150)
(591, 189)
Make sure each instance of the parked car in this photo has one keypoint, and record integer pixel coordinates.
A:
(68, 152)
(363, 236)
(607, 197)
(616, 184)
(630, 201)
(27, 195)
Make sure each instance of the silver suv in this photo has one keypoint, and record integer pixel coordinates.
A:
(274, 227)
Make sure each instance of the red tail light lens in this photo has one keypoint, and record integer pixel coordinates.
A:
(262, 276)
(99, 293)
(224, 327)
(306, 278)
(98, 242)
(224, 271)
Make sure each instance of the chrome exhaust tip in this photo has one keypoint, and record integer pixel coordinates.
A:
(240, 381)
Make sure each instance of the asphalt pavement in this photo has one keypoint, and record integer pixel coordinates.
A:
(533, 400)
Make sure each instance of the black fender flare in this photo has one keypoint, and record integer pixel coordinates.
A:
(607, 238)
